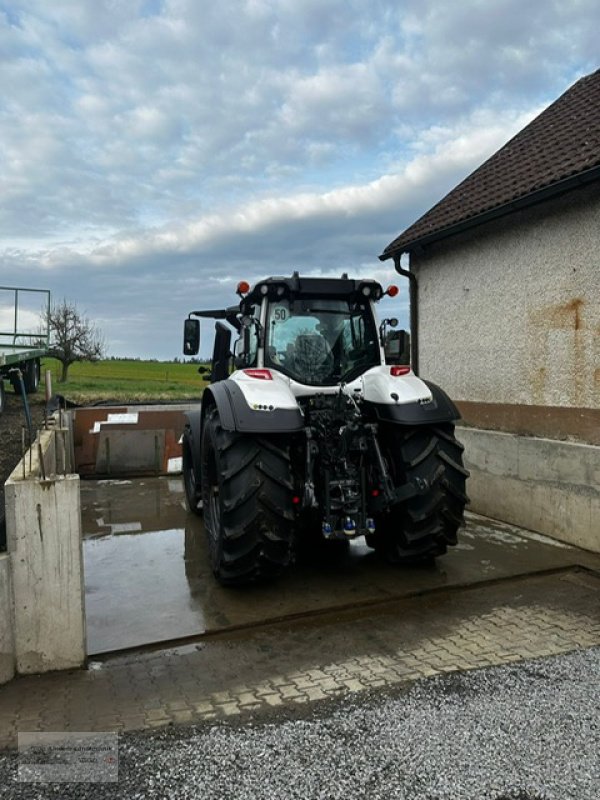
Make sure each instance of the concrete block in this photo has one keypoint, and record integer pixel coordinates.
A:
(548, 486)
(44, 544)
(7, 642)
(130, 452)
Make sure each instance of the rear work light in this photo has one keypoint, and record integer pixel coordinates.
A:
(259, 374)
(397, 371)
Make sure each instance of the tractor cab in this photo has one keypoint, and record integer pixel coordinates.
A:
(316, 331)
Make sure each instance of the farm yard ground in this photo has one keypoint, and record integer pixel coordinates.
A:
(138, 536)
(488, 690)
(522, 731)
(465, 691)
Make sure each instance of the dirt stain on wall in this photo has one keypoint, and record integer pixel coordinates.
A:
(545, 322)
(566, 317)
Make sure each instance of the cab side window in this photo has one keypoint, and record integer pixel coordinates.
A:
(246, 347)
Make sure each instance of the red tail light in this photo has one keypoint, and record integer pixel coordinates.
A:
(259, 374)
(243, 287)
(392, 290)
(396, 371)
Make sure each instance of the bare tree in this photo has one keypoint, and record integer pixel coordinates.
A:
(72, 337)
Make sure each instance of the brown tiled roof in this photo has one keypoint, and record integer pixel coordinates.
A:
(563, 142)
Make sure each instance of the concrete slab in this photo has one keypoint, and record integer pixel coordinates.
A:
(294, 667)
(147, 575)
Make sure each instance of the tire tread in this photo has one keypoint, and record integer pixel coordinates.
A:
(426, 524)
(255, 537)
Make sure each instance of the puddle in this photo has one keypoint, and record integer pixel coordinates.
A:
(147, 578)
(140, 575)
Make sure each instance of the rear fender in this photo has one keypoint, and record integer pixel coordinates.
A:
(252, 405)
(380, 386)
(407, 400)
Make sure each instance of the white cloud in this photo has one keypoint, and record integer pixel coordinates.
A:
(443, 156)
(147, 137)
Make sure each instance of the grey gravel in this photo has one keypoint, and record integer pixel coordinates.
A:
(522, 732)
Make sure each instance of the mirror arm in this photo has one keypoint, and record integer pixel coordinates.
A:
(260, 332)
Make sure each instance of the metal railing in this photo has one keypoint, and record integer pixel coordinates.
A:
(35, 336)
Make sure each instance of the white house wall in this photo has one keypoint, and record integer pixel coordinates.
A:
(510, 327)
(510, 311)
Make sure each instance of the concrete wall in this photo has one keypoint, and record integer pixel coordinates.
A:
(547, 486)
(43, 520)
(7, 642)
(510, 311)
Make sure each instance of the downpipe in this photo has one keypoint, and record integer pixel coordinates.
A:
(413, 295)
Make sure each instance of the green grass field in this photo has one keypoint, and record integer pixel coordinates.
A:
(126, 380)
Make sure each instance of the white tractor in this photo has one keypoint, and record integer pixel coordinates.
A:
(315, 425)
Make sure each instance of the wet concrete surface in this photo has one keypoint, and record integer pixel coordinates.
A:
(148, 580)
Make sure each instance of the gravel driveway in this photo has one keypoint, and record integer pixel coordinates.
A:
(521, 732)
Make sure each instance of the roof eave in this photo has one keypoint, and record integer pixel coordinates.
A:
(530, 199)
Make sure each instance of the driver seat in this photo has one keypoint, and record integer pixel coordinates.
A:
(312, 354)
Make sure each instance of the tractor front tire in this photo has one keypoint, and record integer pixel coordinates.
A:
(425, 525)
(247, 492)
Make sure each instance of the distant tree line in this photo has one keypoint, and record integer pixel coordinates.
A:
(176, 360)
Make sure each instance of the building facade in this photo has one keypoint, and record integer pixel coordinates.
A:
(508, 274)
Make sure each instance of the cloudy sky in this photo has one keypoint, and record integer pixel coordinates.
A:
(154, 152)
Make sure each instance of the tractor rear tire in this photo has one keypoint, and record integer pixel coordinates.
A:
(425, 525)
(191, 484)
(247, 493)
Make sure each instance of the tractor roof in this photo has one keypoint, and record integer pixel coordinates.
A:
(275, 287)
(342, 288)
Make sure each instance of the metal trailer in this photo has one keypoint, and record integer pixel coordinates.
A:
(20, 348)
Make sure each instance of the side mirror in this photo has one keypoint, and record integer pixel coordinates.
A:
(191, 337)
(397, 347)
